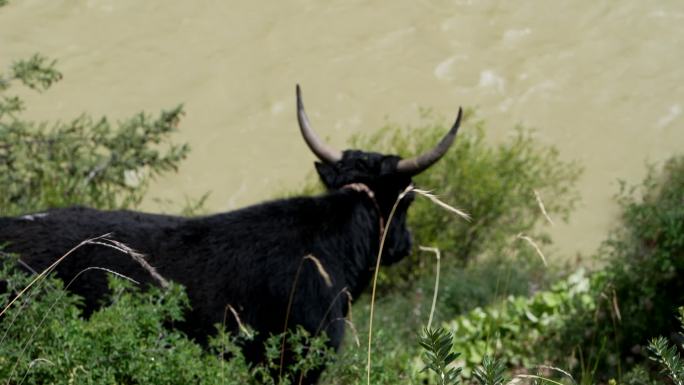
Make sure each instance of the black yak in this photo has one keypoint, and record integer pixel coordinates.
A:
(248, 258)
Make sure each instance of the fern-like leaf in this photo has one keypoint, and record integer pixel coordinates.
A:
(438, 355)
(491, 372)
(668, 357)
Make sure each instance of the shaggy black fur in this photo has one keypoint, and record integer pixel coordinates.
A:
(247, 258)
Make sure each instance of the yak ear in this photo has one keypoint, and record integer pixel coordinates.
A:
(327, 173)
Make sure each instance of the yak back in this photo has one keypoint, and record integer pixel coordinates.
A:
(247, 258)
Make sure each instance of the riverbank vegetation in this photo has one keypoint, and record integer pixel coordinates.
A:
(504, 308)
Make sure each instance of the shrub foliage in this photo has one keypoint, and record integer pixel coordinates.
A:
(86, 161)
(598, 326)
(496, 185)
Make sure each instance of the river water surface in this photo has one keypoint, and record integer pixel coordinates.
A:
(600, 80)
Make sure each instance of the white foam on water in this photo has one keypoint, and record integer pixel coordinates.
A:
(673, 113)
(490, 79)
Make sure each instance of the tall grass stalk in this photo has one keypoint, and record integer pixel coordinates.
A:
(50, 268)
(437, 269)
(32, 364)
(52, 306)
(540, 378)
(375, 277)
(327, 311)
(558, 370)
(326, 278)
(401, 196)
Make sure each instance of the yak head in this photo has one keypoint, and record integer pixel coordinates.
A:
(385, 176)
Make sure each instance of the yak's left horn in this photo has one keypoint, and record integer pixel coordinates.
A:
(323, 151)
(418, 164)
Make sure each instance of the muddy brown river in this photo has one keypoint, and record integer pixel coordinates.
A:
(601, 80)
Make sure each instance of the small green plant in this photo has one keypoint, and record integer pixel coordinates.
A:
(521, 330)
(668, 356)
(491, 372)
(309, 354)
(438, 356)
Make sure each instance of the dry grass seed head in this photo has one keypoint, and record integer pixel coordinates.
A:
(534, 245)
(434, 199)
(542, 208)
(241, 326)
(321, 270)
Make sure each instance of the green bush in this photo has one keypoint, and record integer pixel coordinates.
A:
(521, 331)
(86, 161)
(130, 340)
(597, 326)
(641, 286)
(45, 339)
(495, 184)
(646, 256)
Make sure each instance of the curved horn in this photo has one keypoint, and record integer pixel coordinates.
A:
(321, 150)
(418, 164)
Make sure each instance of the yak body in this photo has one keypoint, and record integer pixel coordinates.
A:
(246, 258)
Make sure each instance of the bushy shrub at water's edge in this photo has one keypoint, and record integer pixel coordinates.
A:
(85, 161)
(597, 325)
(496, 185)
